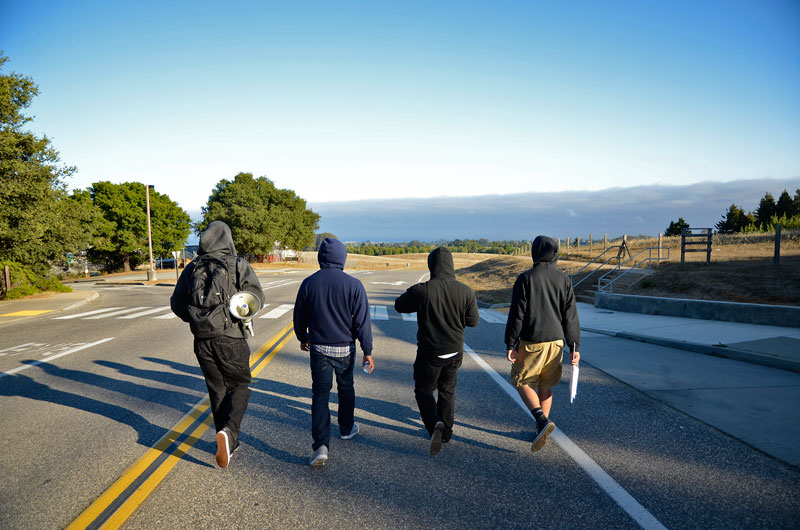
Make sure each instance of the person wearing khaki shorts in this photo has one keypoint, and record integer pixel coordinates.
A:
(542, 316)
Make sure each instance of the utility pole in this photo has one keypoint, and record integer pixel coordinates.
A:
(151, 272)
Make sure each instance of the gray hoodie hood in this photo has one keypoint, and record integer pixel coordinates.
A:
(332, 254)
(216, 240)
(440, 263)
(544, 250)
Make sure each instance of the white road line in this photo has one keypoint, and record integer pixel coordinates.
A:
(274, 286)
(420, 278)
(168, 315)
(409, 317)
(278, 311)
(143, 313)
(87, 313)
(493, 317)
(603, 479)
(48, 359)
(115, 313)
(378, 312)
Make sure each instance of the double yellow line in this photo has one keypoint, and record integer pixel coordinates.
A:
(118, 502)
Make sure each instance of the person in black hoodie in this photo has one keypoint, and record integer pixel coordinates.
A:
(224, 360)
(542, 316)
(332, 311)
(444, 306)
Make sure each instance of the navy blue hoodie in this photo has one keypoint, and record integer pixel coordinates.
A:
(331, 307)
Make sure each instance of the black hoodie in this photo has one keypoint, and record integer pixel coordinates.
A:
(217, 241)
(444, 306)
(542, 302)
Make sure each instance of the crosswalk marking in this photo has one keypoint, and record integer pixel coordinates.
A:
(409, 317)
(148, 312)
(378, 312)
(115, 313)
(79, 315)
(277, 283)
(492, 317)
(278, 311)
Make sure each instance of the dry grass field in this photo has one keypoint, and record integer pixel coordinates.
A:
(741, 269)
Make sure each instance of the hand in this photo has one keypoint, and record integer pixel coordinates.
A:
(575, 358)
(305, 346)
(511, 355)
(368, 359)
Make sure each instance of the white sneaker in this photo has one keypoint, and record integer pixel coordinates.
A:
(319, 458)
(353, 432)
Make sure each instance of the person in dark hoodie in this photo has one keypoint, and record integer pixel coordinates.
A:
(332, 311)
(444, 306)
(542, 316)
(224, 360)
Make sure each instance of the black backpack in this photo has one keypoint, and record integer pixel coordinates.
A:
(212, 286)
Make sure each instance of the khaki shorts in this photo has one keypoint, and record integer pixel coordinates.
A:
(538, 364)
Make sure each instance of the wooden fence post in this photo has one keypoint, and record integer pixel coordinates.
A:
(7, 278)
(605, 242)
(777, 258)
(590, 245)
(659, 247)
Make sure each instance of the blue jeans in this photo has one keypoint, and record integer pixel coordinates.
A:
(322, 369)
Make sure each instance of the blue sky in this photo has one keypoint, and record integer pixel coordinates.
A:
(374, 100)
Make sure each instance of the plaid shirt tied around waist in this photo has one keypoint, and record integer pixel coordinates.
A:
(334, 351)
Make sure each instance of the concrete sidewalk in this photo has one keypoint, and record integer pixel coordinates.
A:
(776, 347)
(756, 401)
(42, 304)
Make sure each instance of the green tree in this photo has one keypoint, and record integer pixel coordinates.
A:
(796, 203)
(124, 206)
(733, 221)
(766, 209)
(785, 206)
(319, 237)
(676, 227)
(33, 198)
(260, 215)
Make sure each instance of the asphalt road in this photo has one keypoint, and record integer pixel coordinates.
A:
(114, 429)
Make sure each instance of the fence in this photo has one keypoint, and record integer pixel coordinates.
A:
(725, 247)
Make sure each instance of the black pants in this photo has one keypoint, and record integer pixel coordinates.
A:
(432, 373)
(225, 363)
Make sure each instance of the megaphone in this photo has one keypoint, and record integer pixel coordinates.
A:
(244, 306)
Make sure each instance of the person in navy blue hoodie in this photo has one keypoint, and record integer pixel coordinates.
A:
(331, 311)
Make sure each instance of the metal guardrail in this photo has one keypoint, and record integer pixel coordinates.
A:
(600, 266)
(607, 284)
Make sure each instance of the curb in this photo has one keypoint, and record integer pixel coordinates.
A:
(79, 303)
(735, 354)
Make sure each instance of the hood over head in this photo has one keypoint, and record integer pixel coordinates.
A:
(544, 250)
(216, 239)
(440, 263)
(332, 254)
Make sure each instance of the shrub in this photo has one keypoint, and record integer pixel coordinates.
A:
(25, 282)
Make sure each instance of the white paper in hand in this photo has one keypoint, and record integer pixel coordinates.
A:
(573, 383)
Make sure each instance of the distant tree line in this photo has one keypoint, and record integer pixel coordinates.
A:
(482, 246)
(42, 225)
(785, 212)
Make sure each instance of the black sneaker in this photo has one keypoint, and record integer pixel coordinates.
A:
(541, 435)
(436, 438)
